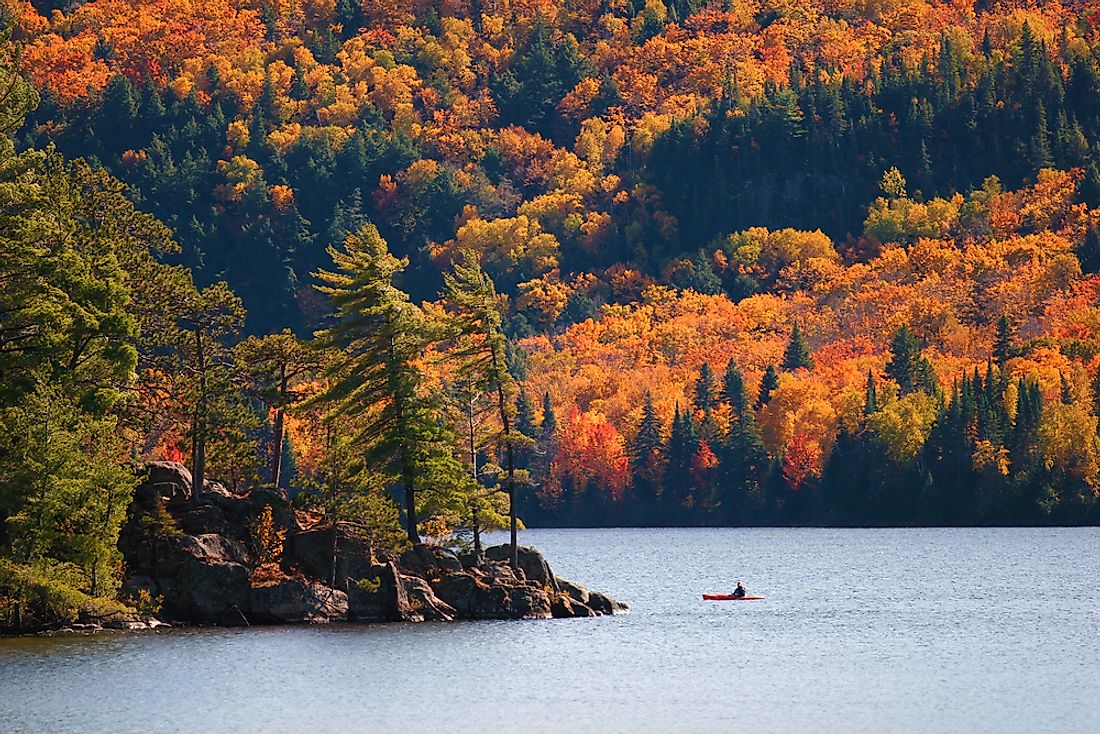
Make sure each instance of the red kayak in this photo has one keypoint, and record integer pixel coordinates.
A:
(730, 597)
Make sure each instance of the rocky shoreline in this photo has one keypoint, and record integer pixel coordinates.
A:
(195, 562)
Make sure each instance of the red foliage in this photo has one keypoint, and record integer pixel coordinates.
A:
(801, 461)
(591, 449)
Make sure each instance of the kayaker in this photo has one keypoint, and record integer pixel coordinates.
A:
(739, 592)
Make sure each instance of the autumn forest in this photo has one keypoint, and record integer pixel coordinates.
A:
(449, 266)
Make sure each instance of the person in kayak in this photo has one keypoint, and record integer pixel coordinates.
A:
(739, 592)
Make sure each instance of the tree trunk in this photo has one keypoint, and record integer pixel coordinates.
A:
(280, 433)
(198, 432)
(475, 521)
(407, 480)
(405, 457)
(510, 464)
(335, 549)
(410, 508)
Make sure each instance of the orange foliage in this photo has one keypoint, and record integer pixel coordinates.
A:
(948, 292)
(148, 39)
(591, 449)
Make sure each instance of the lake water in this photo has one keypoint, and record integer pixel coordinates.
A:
(937, 630)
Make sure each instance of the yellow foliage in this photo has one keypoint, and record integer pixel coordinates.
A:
(1068, 442)
(268, 538)
(904, 425)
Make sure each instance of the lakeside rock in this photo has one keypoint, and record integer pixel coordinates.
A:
(197, 560)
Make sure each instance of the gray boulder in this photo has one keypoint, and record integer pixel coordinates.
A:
(562, 606)
(576, 592)
(213, 592)
(423, 604)
(380, 598)
(531, 562)
(446, 559)
(603, 604)
(166, 480)
(296, 601)
(312, 553)
(529, 603)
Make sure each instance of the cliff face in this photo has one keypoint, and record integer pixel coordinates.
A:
(197, 559)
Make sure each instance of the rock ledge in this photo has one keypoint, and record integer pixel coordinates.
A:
(197, 562)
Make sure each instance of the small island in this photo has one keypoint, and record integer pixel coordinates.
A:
(229, 559)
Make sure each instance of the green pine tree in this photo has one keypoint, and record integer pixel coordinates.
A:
(908, 367)
(378, 336)
(704, 396)
(1004, 347)
(273, 364)
(647, 453)
(797, 356)
(768, 385)
(870, 401)
(481, 349)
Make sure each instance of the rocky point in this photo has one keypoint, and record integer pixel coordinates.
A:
(196, 559)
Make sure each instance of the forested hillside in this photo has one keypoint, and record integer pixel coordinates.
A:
(626, 261)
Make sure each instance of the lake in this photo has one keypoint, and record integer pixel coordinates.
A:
(914, 630)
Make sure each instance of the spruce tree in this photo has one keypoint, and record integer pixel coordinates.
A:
(797, 355)
(682, 445)
(647, 452)
(1004, 347)
(768, 384)
(743, 458)
(870, 401)
(704, 396)
(1025, 430)
(733, 388)
(908, 367)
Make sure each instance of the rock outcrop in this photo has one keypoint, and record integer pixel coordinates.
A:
(197, 559)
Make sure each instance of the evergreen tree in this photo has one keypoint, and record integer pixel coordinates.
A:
(539, 75)
(647, 453)
(273, 365)
(733, 388)
(908, 367)
(73, 252)
(547, 443)
(473, 408)
(682, 445)
(797, 355)
(870, 401)
(379, 336)
(704, 396)
(1004, 347)
(698, 275)
(743, 459)
(526, 426)
(481, 347)
(768, 385)
(200, 337)
(1025, 430)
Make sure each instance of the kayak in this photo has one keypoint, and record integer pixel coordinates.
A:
(730, 597)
